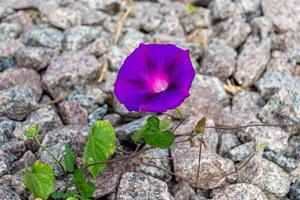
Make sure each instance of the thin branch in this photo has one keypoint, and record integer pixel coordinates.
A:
(199, 159)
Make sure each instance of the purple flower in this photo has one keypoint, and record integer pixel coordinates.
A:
(154, 78)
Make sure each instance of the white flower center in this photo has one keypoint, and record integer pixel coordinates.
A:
(160, 85)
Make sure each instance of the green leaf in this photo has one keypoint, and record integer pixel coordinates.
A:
(190, 8)
(69, 158)
(164, 124)
(32, 131)
(180, 113)
(261, 147)
(85, 188)
(154, 136)
(62, 195)
(72, 198)
(200, 126)
(99, 147)
(40, 181)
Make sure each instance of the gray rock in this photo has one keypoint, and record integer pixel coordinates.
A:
(7, 128)
(145, 16)
(116, 56)
(8, 49)
(221, 9)
(219, 60)
(262, 26)
(64, 18)
(21, 77)
(43, 36)
(252, 62)
(36, 58)
(6, 191)
(90, 17)
(267, 176)
(280, 62)
(113, 118)
(28, 157)
(248, 102)
(241, 152)
(22, 18)
(72, 112)
(100, 46)
(107, 85)
(70, 71)
(122, 110)
(249, 6)
(233, 30)
(294, 147)
(275, 138)
(272, 82)
(3, 165)
(287, 164)
(198, 197)
(295, 174)
(284, 15)
(9, 31)
(201, 18)
(46, 118)
(282, 108)
(56, 140)
(5, 11)
(227, 142)
(171, 26)
(138, 186)
(159, 157)
(295, 192)
(90, 98)
(7, 63)
(105, 5)
(17, 102)
(183, 191)
(16, 183)
(79, 37)
(240, 191)
(97, 114)
(125, 131)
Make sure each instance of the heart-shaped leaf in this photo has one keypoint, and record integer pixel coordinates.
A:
(200, 126)
(154, 136)
(85, 188)
(40, 181)
(32, 131)
(69, 158)
(99, 147)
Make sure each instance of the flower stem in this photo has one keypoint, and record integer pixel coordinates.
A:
(51, 155)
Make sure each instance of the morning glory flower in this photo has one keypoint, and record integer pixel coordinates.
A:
(154, 78)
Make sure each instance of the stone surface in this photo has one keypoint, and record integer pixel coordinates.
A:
(37, 58)
(97, 114)
(233, 31)
(294, 147)
(227, 142)
(240, 191)
(285, 15)
(250, 6)
(262, 26)
(64, 18)
(28, 156)
(248, 102)
(113, 118)
(7, 192)
(43, 36)
(221, 9)
(9, 31)
(157, 157)
(138, 186)
(287, 164)
(55, 141)
(72, 112)
(241, 152)
(280, 62)
(275, 138)
(219, 60)
(17, 102)
(80, 36)
(252, 61)
(171, 26)
(70, 71)
(201, 18)
(282, 108)
(90, 98)
(271, 82)
(294, 192)
(21, 77)
(183, 191)
(145, 16)
(267, 176)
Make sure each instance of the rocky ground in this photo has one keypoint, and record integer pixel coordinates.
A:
(247, 57)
